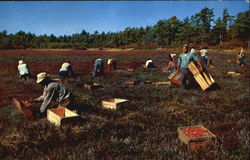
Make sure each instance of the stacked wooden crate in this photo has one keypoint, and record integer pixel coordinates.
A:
(204, 79)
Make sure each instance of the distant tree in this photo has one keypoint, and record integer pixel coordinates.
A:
(241, 27)
(206, 17)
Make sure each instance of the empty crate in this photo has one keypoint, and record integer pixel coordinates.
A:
(114, 103)
(61, 116)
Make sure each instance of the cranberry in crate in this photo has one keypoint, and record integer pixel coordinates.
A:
(195, 137)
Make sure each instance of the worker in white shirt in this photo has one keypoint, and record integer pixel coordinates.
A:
(23, 70)
(66, 70)
(111, 64)
(149, 64)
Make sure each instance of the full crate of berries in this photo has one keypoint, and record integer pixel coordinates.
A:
(195, 137)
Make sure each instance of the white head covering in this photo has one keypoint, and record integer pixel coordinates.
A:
(20, 62)
(203, 52)
(192, 50)
(172, 55)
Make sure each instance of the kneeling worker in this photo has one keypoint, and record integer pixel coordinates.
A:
(53, 91)
(149, 64)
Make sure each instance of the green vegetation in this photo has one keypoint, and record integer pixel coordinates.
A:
(146, 128)
(197, 30)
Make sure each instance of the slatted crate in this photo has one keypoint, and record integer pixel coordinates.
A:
(204, 79)
(62, 116)
(175, 77)
(113, 103)
(162, 83)
(92, 85)
(21, 107)
(195, 142)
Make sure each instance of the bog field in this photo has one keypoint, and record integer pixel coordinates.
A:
(144, 128)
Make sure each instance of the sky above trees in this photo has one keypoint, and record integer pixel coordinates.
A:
(66, 18)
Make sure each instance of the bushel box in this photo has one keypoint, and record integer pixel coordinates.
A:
(62, 115)
(195, 137)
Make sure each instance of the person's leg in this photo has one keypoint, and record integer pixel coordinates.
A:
(184, 73)
(114, 65)
(109, 67)
(95, 70)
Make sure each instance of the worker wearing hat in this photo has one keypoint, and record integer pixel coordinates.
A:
(182, 65)
(53, 91)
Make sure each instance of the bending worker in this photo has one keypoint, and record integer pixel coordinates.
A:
(53, 91)
(23, 70)
(182, 65)
(149, 64)
(66, 70)
(112, 64)
(98, 68)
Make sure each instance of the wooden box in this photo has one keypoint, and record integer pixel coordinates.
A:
(22, 108)
(195, 137)
(61, 116)
(162, 83)
(175, 77)
(204, 79)
(114, 103)
(92, 85)
(131, 69)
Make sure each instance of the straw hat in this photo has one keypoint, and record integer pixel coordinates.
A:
(41, 77)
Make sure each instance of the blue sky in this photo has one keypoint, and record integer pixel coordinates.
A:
(66, 18)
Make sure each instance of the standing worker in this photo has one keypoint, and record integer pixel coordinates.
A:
(66, 70)
(98, 68)
(53, 91)
(242, 56)
(112, 64)
(182, 65)
(23, 70)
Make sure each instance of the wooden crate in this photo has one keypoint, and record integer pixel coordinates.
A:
(204, 79)
(131, 69)
(193, 69)
(162, 83)
(172, 74)
(92, 85)
(20, 106)
(195, 142)
(113, 103)
(61, 116)
(129, 83)
(175, 77)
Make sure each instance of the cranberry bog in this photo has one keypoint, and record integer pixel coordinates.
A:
(144, 128)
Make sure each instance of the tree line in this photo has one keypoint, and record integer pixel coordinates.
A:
(200, 28)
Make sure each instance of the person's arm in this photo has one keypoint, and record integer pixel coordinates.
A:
(195, 58)
(49, 94)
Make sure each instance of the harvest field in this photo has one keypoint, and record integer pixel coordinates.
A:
(145, 128)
